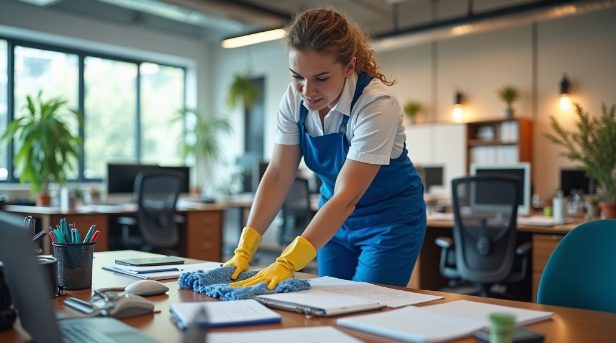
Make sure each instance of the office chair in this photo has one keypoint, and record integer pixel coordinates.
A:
(157, 194)
(296, 212)
(581, 272)
(483, 251)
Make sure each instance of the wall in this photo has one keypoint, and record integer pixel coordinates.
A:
(478, 65)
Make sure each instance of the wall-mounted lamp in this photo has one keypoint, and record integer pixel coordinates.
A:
(253, 38)
(458, 112)
(565, 101)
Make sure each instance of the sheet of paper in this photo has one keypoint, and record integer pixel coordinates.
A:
(386, 296)
(225, 313)
(331, 303)
(481, 311)
(317, 334)
(541, 221)
(142, 272)
(413, 324)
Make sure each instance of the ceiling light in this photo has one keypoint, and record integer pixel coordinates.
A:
(253, 38)
(40, 2)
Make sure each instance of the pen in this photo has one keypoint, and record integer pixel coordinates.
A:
(89, 234)
(53, 237)
(39, 235)
(94, 236)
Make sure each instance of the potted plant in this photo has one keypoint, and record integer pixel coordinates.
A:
(509, 94)
(203, 137)
(46, 147)
(412, 109)
(242, 90)
(593, 145)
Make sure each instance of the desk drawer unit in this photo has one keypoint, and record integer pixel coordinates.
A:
(543, 246)
(204, 235)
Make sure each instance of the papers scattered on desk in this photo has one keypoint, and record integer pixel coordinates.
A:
(329, 296)
(436, 323)
(171, 271)
(440, 216)
(224, 313)
(387, 296)
(541, 221)
(317, 334)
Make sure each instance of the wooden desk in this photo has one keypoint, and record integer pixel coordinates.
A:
(200, 236)
(568, 325)
(544, 239)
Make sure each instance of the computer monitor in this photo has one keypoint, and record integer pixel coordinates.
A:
(121, 177)
(520, 170)
(572, 179)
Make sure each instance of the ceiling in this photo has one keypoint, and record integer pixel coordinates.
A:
(212, 20)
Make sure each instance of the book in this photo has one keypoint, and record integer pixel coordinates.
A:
(437, 323)
(162, 272)
(224, 313)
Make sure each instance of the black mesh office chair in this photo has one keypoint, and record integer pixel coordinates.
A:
(296, 212)
(483, 251)
(157, 194)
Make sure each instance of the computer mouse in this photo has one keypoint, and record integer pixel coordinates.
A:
(146, 287)
(130, 305)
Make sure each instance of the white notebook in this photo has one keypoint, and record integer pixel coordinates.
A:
(436, 323)
(319, 303)
(224, 313)
(171, 271)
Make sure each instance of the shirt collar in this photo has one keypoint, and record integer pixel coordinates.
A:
(346, 97)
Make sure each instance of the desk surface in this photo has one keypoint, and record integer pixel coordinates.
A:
(568, 325)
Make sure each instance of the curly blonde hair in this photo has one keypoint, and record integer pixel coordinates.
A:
(326, 30)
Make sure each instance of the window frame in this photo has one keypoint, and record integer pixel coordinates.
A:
(81, 54)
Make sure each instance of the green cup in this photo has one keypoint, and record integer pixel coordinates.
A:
(501, 327)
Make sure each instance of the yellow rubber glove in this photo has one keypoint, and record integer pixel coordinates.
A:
(248, 244)
(295, 257)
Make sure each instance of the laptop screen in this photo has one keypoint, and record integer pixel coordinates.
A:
(29, 288)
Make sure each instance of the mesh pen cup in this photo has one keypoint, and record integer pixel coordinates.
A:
(74, 265)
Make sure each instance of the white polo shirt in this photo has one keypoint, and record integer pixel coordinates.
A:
(374, 128)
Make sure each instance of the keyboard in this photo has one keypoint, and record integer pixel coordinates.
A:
(83, 333)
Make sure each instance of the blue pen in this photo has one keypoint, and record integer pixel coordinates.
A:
(74, 236)
(59, 236)
(89, 234)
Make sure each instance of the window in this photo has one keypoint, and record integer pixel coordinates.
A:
(111, 114)
(162, 96)
(4, 106)
(54, 74)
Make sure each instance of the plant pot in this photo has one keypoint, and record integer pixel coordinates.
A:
(608, 210)
(43, 199)
(509, 112)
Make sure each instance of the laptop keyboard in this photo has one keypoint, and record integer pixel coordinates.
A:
(83, 333)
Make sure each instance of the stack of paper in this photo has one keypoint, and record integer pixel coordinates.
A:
(171, 271)
(317, 334)
(437, 323)
(225, 313)
(330, 296)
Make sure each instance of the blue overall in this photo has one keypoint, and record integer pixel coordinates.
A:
(381, 239)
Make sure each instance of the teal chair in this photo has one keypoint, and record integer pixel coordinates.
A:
(582, 269)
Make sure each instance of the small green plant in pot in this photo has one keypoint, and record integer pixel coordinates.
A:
(47, 149)
(242, 91)
(593, 145)
(509, 94)
(412, 110)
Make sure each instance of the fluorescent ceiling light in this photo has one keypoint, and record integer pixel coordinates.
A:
(40, 2)
(253, 38)
(177, 13)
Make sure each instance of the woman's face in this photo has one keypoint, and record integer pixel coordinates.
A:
(319, 78)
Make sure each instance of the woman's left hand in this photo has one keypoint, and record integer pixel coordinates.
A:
(295, 257)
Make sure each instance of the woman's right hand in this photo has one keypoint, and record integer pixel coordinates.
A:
(248, 244)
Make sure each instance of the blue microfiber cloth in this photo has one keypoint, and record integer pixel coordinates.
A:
(214, 283)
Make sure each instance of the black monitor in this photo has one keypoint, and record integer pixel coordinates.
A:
(520, 170)
(572, 179)
(430, 176)
(121, 177)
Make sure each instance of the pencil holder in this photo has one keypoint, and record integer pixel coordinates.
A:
(74, 265)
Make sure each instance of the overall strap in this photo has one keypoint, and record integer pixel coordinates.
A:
(363, 80)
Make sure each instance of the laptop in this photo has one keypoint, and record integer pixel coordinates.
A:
(31, 296)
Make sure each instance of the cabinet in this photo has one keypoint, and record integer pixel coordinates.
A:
(543, 246)
(501, 141)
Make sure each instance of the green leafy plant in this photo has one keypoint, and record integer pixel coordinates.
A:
(412, 109)
(509, 95)
(46, 147)
(242, 91)
(593, 145)
(203, 137)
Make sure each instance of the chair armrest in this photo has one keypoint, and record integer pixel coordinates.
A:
(127, 220)
(444, 242)
(523, 249)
